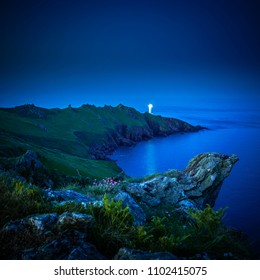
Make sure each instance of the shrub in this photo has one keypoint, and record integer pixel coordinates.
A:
(207, 230)
(207, 220)
(19, 199)
(160, 234)
(172, 242)
(142, 238)
(113, 226)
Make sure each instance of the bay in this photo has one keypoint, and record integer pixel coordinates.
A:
(230, 132)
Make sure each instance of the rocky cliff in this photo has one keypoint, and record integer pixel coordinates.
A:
(196, 186)
(125, 134)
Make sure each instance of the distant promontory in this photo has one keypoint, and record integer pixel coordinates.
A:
(75, 141)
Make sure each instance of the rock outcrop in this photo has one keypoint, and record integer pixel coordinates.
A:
(135, 209)
(28, 161)
(196, 186)
(67, 233)
(28, 166)
(41, 223)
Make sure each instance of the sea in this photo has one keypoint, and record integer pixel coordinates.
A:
(231, 131)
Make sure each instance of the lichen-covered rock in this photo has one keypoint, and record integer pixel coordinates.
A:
(73, 219)
(61, 198)
(135, 209)
(68, 195)
(208, 171)
(186, 204)
(129, 254)
(41, 223)
(38, 223)
(200, 183)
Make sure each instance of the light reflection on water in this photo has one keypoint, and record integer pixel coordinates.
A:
(230, 133)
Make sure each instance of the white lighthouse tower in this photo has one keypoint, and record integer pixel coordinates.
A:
(150, 106)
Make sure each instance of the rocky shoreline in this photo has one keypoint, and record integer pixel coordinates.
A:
(123, 135)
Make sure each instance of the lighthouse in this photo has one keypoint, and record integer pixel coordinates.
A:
(150, 106)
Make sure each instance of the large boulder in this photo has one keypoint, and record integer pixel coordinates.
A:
(42, 223)
(67, 195)
(197, 185)
(74, 220)
(38, 223)
(63, 198)
(59, 237)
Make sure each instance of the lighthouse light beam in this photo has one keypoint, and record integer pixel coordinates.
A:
(150, 106)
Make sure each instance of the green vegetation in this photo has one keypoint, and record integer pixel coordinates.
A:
(208, 220)
(63, 138)
(71, 206)
(19, 199)
(113, 226)
(66, 139)
(201, 231)
(114, 229)
(70, 165)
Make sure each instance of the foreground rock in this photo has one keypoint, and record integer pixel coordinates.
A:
(135, 209)
(63, 236)
(36, 223)
(196, 186)
(66, 247)
(41, 223)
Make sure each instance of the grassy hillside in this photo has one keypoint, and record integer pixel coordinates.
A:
(66, 139)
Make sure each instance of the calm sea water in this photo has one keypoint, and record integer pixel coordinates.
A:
(231, 132)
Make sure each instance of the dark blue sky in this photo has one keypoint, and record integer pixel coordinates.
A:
(196, 53)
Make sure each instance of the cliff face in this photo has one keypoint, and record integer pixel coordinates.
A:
(125, 134)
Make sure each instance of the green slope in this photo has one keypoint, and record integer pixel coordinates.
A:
(65, 138)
